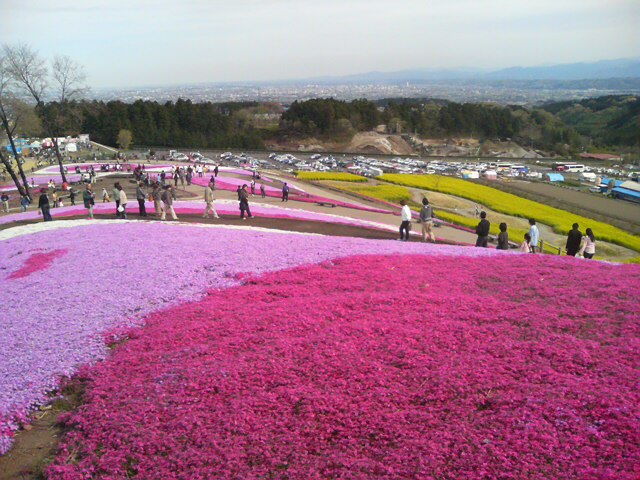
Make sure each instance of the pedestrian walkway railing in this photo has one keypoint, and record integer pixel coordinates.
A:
(548, 247)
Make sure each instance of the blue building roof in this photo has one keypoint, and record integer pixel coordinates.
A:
(616, 183)
(627, 193)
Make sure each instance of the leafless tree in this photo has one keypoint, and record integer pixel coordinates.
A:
(67, 82)
(10, 118)
(68, 78)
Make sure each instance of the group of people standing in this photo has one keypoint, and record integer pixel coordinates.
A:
(577, 243)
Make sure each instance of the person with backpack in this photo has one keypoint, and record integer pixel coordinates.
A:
(426, 217)
(167, 200)
(88, 197)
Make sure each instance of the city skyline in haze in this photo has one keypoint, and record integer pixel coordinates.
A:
(139, 43)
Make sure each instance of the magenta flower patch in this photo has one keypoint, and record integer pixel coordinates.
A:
(404, 366)
(37, 262)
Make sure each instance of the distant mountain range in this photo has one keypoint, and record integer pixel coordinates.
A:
(604, 69)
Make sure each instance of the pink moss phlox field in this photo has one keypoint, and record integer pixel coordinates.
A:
(37, 262)
(504, 367)
(112, 275)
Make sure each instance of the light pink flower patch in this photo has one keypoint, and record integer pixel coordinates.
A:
(37, 262)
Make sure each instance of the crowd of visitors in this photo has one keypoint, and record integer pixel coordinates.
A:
(163, 193)
(577, 243)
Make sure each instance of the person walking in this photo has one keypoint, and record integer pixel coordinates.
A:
(141, 196)
(4, 198)
(263, 190)
(244, 202)
(525, 246)
(588, 249)
(123, 202)
(215, 171)
(156, 196)
(285, 192)
(534, 233)
(208, 199)
(176, 177)
(24, 202)
(503, 237)
(405, 225)
(426, 217)
(167, 200)
(482, 231)
(44, 206)
(574, 239)
(116, 197)
(253, 187)
(72, 196)
(105, 196)
(88, 197)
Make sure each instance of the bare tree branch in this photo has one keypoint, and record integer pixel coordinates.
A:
(28, 69)
(69, 78)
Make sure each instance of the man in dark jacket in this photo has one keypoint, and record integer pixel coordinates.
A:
(482, 230)
(43, 204)
(141, 196)
(573, 240)
(243, 194)
(285, 192)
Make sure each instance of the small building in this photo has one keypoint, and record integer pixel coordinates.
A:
(588, 177)
(490, 174)
(624, 193)
(71, 147)
(553, 177)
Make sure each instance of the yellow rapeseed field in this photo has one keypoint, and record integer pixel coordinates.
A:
(388, 193)
(559, 220)
(337, 176)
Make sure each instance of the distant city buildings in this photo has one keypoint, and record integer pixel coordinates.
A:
(500, 94)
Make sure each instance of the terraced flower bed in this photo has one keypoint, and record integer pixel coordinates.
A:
(268, 354)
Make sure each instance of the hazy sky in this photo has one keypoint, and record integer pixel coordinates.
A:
(130, 43)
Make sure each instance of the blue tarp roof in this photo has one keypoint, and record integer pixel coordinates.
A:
(627, 192)
(555, 177)
(616, 183)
